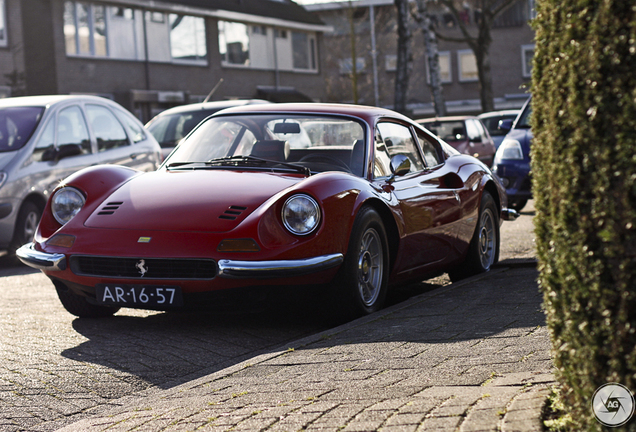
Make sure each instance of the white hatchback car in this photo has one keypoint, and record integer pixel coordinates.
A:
(44, 139)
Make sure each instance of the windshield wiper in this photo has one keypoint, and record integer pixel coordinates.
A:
(251, 161)
(246, 161)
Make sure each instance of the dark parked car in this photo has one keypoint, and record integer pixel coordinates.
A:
(512, 161)
(493, 119)
(44, 139)
(467, 134)
(348, 200)
(170, 126)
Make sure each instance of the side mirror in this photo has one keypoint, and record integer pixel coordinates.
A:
(400, 165)
(505, 125)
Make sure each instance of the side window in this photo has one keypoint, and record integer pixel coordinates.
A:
(472, 130)
(108, 131)
(46, 142)
(429, 149)
(71, 129)
(137, 131)
(394, 139)
(481, 129)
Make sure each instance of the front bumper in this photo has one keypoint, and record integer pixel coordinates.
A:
(231, 269)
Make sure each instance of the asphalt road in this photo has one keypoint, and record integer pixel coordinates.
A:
(56, 369)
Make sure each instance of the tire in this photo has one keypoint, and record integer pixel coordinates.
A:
(365, 272)
(25, 225)
(79, 306)
(518, 204)
(483, 250)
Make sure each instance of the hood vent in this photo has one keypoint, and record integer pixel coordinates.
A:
(233, 212)
(109, 208)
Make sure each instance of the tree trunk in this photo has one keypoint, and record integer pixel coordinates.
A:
(486, 94)
(354, 62)
(432, 59)
(403, 56)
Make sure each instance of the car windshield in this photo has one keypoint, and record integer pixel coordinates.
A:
(524, 119)
(448, 131)
(17, 125)
(320, 143)
(168, 130)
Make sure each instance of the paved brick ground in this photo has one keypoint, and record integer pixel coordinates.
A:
(473, 356)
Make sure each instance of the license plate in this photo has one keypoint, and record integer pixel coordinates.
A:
(138, 295)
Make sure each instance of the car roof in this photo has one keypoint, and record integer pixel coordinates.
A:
(445, 119)
(499, 113)
(215, 105)
(46, 100)
(361, 111)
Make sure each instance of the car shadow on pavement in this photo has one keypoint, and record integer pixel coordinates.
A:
(165, 349)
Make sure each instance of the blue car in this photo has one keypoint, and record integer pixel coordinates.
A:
(512, 160)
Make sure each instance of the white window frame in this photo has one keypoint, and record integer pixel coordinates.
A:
(462, 78)
(447, 55)
(4, 39)
(390, 63)
(526, 69)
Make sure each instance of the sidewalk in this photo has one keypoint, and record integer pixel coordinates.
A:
(471, 356)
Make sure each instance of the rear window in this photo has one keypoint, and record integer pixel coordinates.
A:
(17, 125)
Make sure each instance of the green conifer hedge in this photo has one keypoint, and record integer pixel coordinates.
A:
(584, 182)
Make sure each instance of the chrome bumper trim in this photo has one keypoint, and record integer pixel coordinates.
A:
(509, 214)
(41, 260)
(277, 269)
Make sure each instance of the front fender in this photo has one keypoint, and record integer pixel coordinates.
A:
(96, 183)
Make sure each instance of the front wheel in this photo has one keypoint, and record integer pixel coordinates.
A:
(79, 306)
(483, 250)
(365, 271)
(26, 225)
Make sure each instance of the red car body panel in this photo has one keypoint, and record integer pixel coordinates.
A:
(430, 216)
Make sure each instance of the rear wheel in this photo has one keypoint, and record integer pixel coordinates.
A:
(483, 251)
(79, 305)
(365, 271)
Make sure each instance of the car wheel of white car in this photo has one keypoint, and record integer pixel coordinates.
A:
(483, 251)
(79, 305)
(26, 224)
(366, 265)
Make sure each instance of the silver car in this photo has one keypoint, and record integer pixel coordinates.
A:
(44, 139)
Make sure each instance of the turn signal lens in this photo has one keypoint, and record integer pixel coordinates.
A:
(238, 245)
(61, 240)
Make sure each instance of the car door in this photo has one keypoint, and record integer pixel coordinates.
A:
(428, 204)
(114, 146)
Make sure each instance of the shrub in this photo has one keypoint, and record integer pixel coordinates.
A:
(584, 182)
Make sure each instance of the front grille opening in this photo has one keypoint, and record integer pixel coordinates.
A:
(156, 268)
(109, 208)
(233, 212)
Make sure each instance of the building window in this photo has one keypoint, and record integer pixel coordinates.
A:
(390, 63)
(444, 67)
(234, 43)
(467, 66)
(346, 65)
(263, 47)
(187, 38)
(3, 25)
(93, 30)
(85, 29)
(527, 53)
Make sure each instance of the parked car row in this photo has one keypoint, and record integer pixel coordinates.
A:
(500, 139)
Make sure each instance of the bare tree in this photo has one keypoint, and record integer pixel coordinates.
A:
(432, 57)
(486, 13)
(354, 55)
(404, 55)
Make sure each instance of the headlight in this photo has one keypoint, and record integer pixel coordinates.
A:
(66, 203)
(301, 214)
(509, 149)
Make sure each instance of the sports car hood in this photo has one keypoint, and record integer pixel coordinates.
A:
(200, 200)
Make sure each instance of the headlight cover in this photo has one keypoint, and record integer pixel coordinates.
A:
(66, 203)
(301, 214)
(509, 149)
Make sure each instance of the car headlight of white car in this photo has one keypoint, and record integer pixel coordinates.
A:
(66, 203)
(301, 214)
(509, 149)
